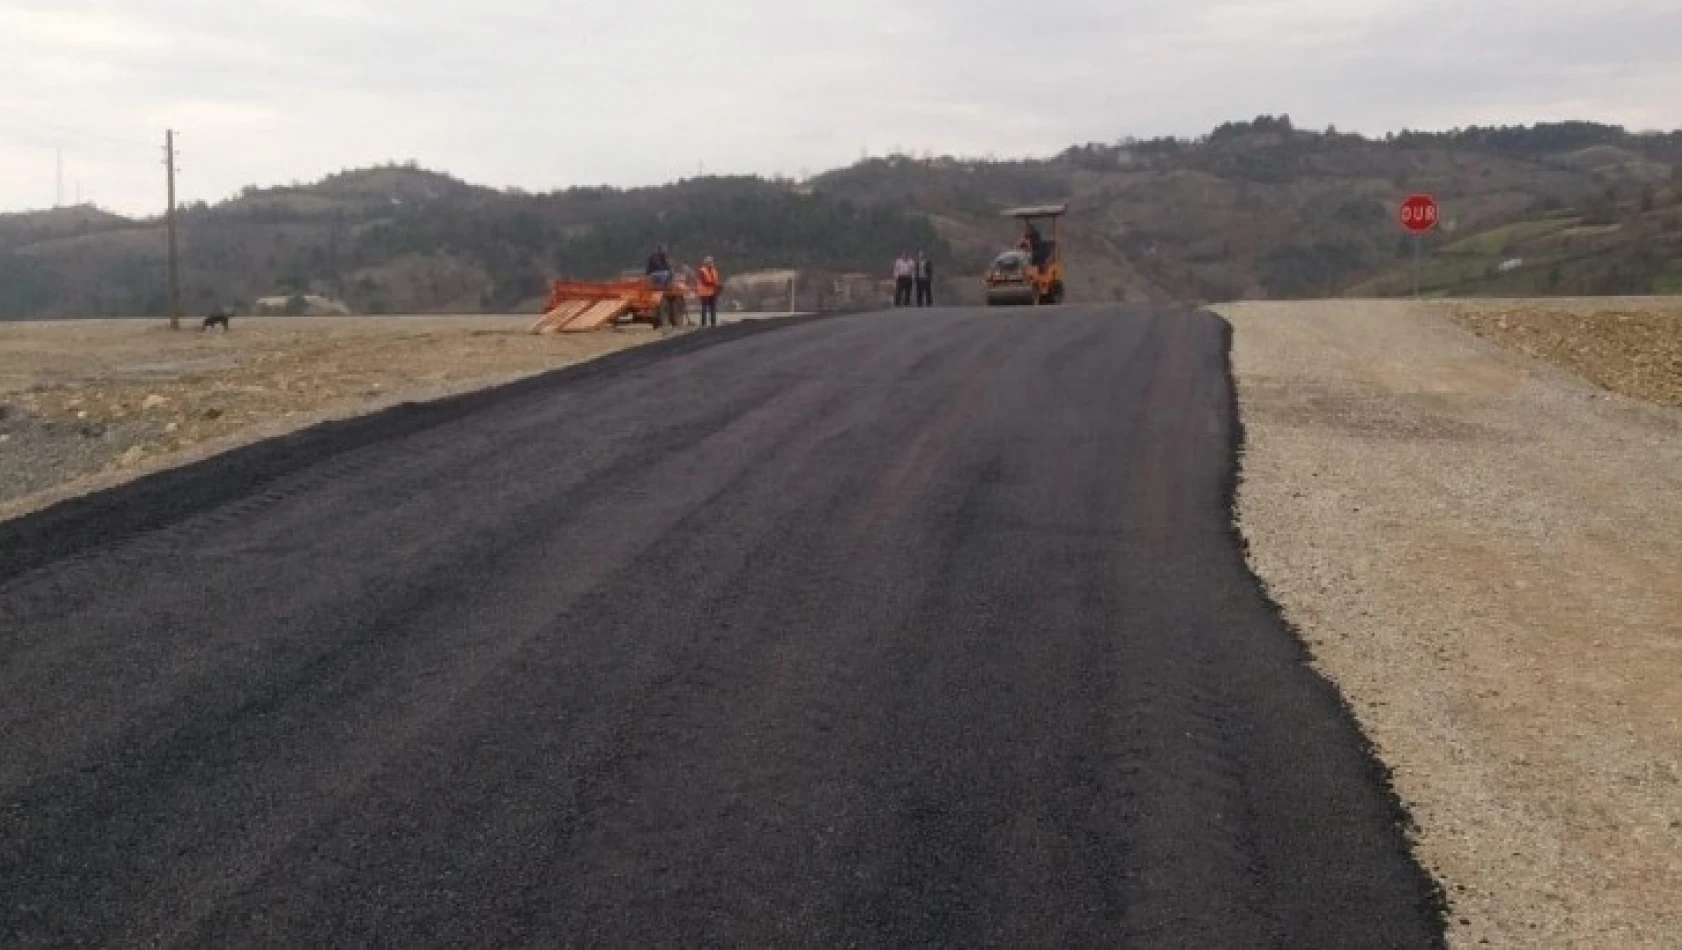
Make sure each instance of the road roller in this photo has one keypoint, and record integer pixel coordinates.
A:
(1031, 273)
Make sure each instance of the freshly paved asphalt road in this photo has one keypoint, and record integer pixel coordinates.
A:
(902, 629)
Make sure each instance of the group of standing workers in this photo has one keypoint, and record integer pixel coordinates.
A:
(913, 281)
(913, 275)
(706, 282)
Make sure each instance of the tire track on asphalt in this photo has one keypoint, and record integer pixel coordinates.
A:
(94, 522)
(645, 713)
(153, 774)
(335, 603)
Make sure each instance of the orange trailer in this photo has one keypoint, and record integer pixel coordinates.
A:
(579, 306)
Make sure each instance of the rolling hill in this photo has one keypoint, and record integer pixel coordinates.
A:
(1255, 209)
(1624, 238)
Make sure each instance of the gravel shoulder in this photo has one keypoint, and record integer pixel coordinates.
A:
(89, 404)
(1483, 552)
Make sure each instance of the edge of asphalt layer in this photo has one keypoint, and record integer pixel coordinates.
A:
(161, 499)
(1431, 899)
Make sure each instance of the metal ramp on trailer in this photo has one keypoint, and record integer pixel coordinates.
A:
(581, 316)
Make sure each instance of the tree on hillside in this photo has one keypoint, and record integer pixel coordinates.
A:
(1533, 141)
(1317, 270)
(1262, 125)
(25, 291)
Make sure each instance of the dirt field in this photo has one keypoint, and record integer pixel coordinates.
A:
(1485, 553)
(85, 404)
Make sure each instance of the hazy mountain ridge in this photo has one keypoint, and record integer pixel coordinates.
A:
(1255, 209)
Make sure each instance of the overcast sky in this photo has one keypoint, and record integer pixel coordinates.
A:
(550, 93)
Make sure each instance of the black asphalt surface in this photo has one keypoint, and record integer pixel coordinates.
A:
(909, 629)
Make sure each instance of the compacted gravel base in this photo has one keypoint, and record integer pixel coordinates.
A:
(1483, 552)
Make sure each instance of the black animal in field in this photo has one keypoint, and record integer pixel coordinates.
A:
(221, 316)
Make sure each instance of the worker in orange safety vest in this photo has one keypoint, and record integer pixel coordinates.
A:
(707, 289)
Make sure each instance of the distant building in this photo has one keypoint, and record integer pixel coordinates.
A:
(766, 290)
(309, 305)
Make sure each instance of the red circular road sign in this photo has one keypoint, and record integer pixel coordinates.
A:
(1419, 213)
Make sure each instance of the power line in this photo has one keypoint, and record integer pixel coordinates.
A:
(174, 266)
(45, 141)
(28, 139)
(71, 130)
(24, 131)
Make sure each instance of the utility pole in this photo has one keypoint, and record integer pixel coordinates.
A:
(174, 264)
(1418, 241)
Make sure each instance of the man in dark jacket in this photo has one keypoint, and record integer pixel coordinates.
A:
(659, 268)
(1039, 252)
(660, 276)
(925, 280)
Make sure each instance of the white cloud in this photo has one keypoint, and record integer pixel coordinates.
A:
(547, 93)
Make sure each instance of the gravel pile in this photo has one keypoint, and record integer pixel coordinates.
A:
(1633, 350)
(37, 453)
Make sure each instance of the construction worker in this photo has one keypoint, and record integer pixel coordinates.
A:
(707, 288)
(924, 275)
(1035, 245)
(660, 277)
(659, 268)
(685, 286)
